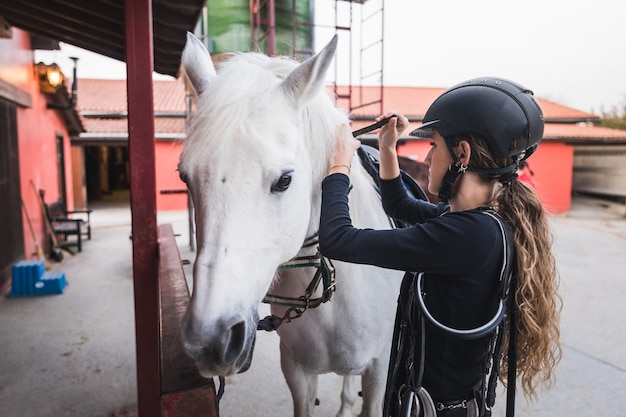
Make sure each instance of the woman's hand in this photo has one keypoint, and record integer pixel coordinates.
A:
(387, 140)
(390, 133)
(345, 145)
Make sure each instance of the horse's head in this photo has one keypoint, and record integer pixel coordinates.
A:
(257, 148)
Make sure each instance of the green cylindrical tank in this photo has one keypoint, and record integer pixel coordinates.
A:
(228, 26)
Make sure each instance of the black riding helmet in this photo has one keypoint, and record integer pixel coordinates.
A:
(502, 112)
(499, 110)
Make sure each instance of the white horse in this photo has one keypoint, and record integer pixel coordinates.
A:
(257, 151)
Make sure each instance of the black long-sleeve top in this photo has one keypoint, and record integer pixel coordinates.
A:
(461, 254)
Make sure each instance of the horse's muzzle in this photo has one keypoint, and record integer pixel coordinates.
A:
(225, 350)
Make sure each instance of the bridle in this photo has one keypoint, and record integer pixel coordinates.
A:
(325, 273)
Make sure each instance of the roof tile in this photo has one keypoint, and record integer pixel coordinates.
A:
(100, 96)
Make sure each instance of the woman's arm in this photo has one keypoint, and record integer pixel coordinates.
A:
(400, 205)
(441, 245)
(396, 201)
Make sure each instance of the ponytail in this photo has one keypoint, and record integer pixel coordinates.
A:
(537, 299)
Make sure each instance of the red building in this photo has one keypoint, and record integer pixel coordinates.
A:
(567, 132)
(36, 151)
(103, 111)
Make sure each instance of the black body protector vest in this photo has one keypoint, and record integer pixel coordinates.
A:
(404, 394)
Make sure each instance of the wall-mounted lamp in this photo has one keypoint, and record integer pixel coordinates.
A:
(51, 78)
(54, 76)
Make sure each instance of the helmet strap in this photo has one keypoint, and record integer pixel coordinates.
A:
(506, 172)
(448, 180)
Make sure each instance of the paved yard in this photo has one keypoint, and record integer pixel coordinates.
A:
(73, 354)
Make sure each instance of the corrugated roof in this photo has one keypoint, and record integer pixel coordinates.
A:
(162, 125)
(102, 105)
(98, 95)
(578, 132)
(169, 95)
(414, 101)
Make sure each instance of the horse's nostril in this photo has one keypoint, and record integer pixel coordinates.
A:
(234, 340)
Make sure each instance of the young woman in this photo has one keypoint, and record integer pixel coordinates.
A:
(488, 228)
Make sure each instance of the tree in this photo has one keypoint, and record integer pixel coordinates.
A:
(615, 118)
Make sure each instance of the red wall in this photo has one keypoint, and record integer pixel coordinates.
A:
(36, 135)
(166, 162)
(552, 165)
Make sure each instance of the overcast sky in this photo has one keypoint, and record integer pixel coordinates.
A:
(572, 52)
(569, 51)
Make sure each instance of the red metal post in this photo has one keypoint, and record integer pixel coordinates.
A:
(256, 20)
(271, 17)
(139, 67)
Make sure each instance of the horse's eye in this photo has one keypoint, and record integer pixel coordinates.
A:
(283, 183)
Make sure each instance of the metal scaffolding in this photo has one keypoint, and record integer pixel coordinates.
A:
(358, 73)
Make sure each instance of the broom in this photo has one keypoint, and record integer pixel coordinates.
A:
(55, 252)
(38, 250)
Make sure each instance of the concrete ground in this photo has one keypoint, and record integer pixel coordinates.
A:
(74, 354)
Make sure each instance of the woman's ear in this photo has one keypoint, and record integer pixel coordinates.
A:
(463, 152)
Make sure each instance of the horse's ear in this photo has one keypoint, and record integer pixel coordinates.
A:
(197, 64)
(305, 81)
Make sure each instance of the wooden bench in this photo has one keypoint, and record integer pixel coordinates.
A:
(66, 223)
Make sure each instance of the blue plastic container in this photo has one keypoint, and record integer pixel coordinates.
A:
(30, 277)
(24, 276)
(51, 282)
